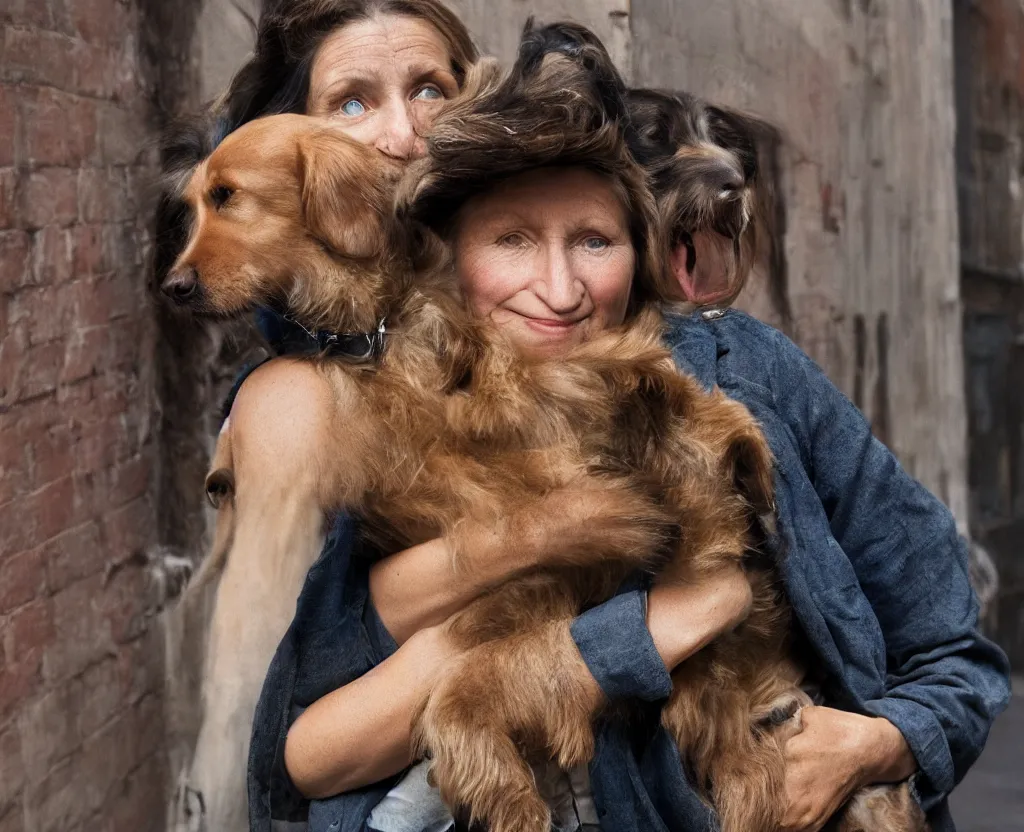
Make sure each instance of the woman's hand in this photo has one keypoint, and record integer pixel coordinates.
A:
(835, 754)
(685, 617)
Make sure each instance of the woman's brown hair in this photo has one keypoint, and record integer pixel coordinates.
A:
(276, 77)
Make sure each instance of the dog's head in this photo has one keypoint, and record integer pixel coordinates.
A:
(287, 212)
(703, 163)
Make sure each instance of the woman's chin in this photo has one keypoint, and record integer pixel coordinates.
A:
(542, 344)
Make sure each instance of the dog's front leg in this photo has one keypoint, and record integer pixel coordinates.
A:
(527, 693)
(276, 532)
(605, 521)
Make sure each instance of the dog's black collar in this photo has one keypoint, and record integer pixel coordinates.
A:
(354, 346)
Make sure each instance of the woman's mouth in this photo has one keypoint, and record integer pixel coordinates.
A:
(550, 326)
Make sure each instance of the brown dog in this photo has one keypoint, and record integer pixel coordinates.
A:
(513, 447)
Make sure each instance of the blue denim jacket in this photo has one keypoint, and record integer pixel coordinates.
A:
(874, 568)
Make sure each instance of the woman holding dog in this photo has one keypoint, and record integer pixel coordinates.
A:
(547, 258)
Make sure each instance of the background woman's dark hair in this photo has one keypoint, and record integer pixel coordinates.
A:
(276, 78)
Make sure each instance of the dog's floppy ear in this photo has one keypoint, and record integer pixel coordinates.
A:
(750, 462)
(345, 194)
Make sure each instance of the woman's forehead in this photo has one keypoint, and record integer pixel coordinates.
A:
(390, 45)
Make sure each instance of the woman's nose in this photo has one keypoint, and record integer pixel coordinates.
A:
(400, 138)
(559, 288)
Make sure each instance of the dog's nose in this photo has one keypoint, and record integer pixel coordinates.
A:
(728, 181)
(181, 284)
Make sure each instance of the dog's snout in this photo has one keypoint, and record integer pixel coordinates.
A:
(728, 180)
(181, 284)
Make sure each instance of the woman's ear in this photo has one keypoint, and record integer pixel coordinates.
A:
(346, 194)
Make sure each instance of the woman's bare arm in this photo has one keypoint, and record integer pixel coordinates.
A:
(419, 587)
(361, 733)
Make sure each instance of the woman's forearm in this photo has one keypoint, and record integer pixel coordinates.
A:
(887, 758)
(685, 617)
(360, 733)
(419, 587)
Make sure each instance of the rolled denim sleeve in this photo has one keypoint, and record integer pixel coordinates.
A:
(617, 648)
(945, 683)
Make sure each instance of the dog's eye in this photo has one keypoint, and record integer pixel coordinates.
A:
(220, 195)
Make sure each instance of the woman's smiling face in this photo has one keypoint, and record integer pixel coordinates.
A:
(547, 258)
(383, 80)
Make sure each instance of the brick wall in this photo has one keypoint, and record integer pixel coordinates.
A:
(81, 670)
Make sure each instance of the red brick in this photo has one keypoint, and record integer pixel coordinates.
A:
(128, 529)
(50, 456)
(52, 257)
(51, 509)
(8, 124)
(18, 681)
(123, 602)
(103, 695)
(122, 137)
(29, 631)
(104, 71)
(49, 732)
(97, 446)
(141, 665)
(36, 56)
(58, 128)
(48, 196)
(15, 262)
(13, 346)
(8, 182)
(31, 13)
(22, 579)
(88, 350)
(100, 21)
(130, 480)
(74, 555)
(44, 313)
(14, 468)
(39, 371)
(87, 251)
(82, 632)
(103, 195)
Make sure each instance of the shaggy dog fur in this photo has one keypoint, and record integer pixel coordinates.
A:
(601, 463)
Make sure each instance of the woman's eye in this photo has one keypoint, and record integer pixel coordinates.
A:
(429, 94)
(595, 244)
(353, 107)
(513, 240)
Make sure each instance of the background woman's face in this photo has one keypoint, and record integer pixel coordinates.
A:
(547, 258)
(383, 80)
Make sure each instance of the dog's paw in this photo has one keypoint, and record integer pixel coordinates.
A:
(169, 573)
